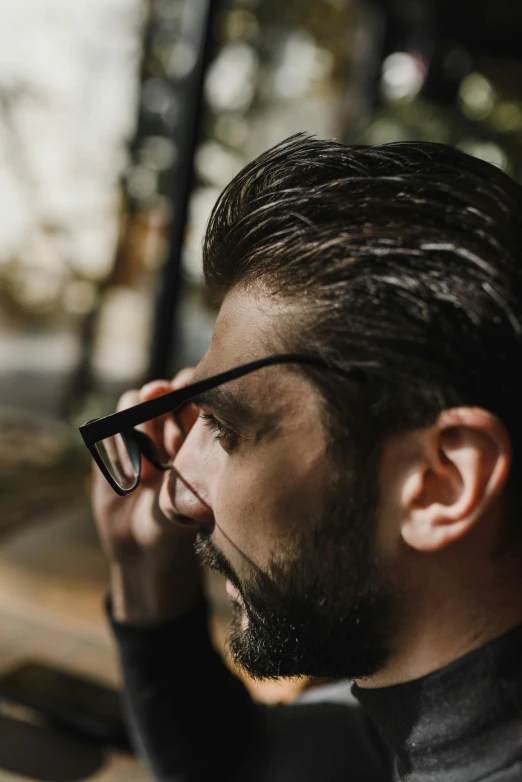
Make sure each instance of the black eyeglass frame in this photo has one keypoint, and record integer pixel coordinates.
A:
(124, 421)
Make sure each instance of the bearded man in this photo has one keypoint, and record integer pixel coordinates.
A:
(347, 454)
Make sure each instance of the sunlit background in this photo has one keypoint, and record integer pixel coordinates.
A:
(120, 117)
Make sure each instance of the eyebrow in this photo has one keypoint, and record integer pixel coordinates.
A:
(225, 402)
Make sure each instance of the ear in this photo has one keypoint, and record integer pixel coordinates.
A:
(466, 458)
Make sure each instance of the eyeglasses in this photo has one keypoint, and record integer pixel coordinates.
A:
(117, 446)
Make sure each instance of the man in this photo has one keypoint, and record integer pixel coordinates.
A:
(362, 495)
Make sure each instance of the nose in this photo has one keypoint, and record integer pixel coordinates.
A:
(190, 479)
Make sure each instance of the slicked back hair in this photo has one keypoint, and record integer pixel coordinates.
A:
(404, 259)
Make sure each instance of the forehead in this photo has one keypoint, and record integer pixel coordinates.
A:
(244, 330)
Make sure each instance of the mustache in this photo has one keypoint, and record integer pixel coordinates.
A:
(213, 558)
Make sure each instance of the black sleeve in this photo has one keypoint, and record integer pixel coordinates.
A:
(194, 721)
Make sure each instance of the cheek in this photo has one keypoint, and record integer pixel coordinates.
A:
(391, 512)
(263, 504)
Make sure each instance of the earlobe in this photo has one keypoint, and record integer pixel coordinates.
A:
(466, 465)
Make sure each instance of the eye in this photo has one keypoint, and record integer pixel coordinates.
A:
(226, 436)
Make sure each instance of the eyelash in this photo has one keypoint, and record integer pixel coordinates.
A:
(223, 433)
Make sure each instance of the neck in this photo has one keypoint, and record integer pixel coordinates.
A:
(448, 618)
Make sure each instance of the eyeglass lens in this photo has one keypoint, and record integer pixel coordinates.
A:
(121, 456)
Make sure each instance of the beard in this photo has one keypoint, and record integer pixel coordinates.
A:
(328, 610)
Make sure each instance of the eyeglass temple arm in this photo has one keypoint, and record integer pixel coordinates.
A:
(128, 419)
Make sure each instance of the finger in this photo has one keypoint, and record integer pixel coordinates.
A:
(100, 488)
(183, 377)
(154, 427)
(177, 428)
(181, 422)
(185, 416)
(115, 447)
(128, 399)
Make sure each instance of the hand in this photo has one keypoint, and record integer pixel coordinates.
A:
(154, 571)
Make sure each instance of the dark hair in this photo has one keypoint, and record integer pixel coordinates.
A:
(404, 258)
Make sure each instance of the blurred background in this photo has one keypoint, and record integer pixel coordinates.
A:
(120, 123)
